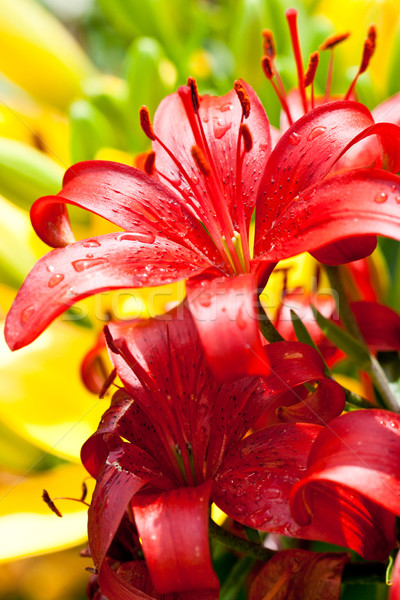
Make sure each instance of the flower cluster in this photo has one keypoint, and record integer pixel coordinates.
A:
(209, 411)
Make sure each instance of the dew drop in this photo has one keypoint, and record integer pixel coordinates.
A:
(89, 255)
(381, 197)
(296, 198)
(55, 280)
(91, 244)
(146, 238)
(27, 314)
(397, 198)
(226, 107)
(294, 139)
(220, 128)
(50, 268)
(314, 133)
(82, 265)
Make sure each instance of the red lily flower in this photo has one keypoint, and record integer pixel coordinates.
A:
(175, 438)
(213, 165)
(354, 462)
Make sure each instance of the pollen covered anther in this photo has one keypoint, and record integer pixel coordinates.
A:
(266, 64)
(243, 96)
(246, 135)
(369, 48)
(149, 163)
(201, 160)
(334, 40)
(145, 122)
(311, 69)
(268, 43)
(195, 94)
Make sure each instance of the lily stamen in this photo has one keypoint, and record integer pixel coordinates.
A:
(368, 51)
(269, 72)
(291, 16)
(310, 74)
(329, 44)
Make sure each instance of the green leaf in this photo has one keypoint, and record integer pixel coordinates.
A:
(343, 340)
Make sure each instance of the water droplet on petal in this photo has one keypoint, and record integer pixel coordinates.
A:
(296, 198)
(82, 265)
(55, 280)
(91, 244)
(89, 255)
(294, 139)
(381, 197)
(397, 198)
(50, 268)
(221, 128)
(27, 314)
(226, 107)
(146, 238)
(314, 133)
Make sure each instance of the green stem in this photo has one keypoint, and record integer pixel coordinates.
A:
(239, 544)
(236, 578)
(268, 330)
(346, 316)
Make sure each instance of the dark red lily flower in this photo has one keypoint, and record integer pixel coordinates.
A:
(213, 166)
(175, 438)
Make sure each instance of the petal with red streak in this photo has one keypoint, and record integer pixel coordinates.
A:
(112, 261)
(128, 198)
(359, 452)
(303, 156)
(173, 527)
(176, 125)
(344, 205)
(254, 484)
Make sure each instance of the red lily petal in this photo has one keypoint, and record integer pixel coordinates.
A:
(359, 452)
(125, 196)
(221, 118)
(121, 585)
(353, 203)
(224, 310)
(293, 364)
(303, 156)
(388, 111)
(294, 574)
(118, 586)
(125, 472)
(379, 325)
(255, 481)
(173, 527)
(88, 267)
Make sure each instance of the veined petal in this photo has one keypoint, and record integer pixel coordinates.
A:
(224, 311)
(126, 470)
(379, 325)
(125, 196)
(255, 481)
(304, 155)
(173, 527)
(388, 111)
(221, 118)
(350, 204)
(359, 452)
(84, 268)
